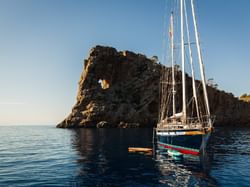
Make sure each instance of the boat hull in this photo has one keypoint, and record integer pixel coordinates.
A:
(186, 142)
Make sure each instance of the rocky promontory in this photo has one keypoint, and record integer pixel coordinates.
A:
(121, 89)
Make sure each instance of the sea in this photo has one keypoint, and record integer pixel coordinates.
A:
(48, 156)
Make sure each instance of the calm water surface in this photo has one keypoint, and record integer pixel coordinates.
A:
(46, 156)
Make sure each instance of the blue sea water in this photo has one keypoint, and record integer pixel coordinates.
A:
(47, 156)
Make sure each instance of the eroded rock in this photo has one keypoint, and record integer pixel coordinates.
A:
(121, 89)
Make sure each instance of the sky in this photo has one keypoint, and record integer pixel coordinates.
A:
(43, 44)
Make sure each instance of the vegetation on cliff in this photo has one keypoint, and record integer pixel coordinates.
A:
(245, 97)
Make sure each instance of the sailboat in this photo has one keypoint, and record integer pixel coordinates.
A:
(184, 129)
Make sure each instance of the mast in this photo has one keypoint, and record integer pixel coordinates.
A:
(191, 63)
(183, 66)
(171, 33)
(200, 62)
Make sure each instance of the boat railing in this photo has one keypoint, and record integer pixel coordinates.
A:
(190, 123)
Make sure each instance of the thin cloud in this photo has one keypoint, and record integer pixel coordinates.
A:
(12, 103)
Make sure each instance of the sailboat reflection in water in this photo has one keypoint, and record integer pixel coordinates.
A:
(194, 171)
(186, 129)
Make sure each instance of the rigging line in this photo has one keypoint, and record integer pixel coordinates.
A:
(190, 101)
(183, 64)
(202, 108)
(161, 88)
(202, 71)
(163, 93)
(192, 98)
(164, 33)
(192, 110)
(172, 35)
(168, 91)
(159, 106)
(160, 94)
(191, 61)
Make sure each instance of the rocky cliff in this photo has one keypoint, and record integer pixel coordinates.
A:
(121, 89)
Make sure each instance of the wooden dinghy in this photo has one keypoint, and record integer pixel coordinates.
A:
(140, 149)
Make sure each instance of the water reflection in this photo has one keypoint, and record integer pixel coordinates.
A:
(189, 171)
(104, 160)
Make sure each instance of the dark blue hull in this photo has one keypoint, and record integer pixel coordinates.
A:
(183, 141)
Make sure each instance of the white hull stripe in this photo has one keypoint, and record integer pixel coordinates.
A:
(170, 133)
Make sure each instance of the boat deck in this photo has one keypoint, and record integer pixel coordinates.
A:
(191, 124)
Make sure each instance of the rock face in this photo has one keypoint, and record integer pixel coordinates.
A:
(121, 89)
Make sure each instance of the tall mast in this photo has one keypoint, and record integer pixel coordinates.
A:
(200, 62)
(171, 34)
(191, 63)
(183, 66)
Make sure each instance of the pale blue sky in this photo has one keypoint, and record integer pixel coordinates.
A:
(43, 44)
